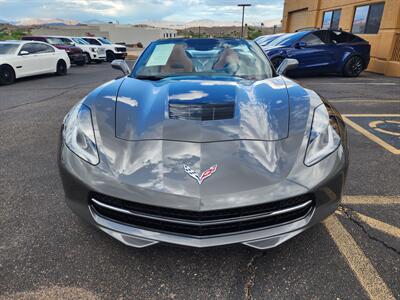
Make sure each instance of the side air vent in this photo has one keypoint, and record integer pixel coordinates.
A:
(202, 112)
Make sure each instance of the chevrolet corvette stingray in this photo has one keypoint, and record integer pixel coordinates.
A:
(203, 143)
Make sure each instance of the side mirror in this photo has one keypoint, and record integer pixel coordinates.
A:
(23, 52)
(286, 65)
(300, 44)
(120, 64)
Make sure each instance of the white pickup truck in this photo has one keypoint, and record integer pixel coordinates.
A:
(113, 51)
(93, 53)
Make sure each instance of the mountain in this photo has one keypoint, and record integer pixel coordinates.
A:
(45, 21)
(207, 23)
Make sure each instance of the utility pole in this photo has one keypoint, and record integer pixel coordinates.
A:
(243, 6)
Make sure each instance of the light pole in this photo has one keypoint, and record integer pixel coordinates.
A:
(243, 6)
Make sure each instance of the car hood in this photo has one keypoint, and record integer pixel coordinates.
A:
(194, 110)
(5, 57)
(73, 49)
(253, 152)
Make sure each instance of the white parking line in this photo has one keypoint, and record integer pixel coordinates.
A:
(362, 267)
(364, 100)
(374, 200)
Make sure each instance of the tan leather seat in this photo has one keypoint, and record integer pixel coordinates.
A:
(178, 62)
(227, 57)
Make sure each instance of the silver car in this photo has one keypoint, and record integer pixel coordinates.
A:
(203, 144)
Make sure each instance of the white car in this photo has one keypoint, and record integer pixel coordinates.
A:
(113, 51)
(27, 58)
(93, 53)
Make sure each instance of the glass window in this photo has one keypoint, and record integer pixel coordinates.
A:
(331, 19)
(67, 41)
(54, 41)
(105, 41)
(203, 58)
(367, 19)
(80, 41)
(29, 47)
(92, 41)
(326, 22)
(374, 18)
(312, 40)
(43, 48)
(338, 37)
(8, 48)
(336, 19)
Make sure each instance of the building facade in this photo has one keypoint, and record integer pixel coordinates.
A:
(128, 34)
(375, 21)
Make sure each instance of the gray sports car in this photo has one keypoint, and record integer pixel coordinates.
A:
(203, 144)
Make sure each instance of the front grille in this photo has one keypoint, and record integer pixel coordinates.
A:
(202, 223)
(201, 112)
(121, 49)
(101, 51)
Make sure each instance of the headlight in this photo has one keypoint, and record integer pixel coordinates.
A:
(93, 49)
(79, 135)
(324, 136)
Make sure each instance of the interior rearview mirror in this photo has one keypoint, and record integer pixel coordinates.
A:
(23, 52)
(120, 64)
(286, 65)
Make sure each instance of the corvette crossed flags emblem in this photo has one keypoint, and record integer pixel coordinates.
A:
(200, 177)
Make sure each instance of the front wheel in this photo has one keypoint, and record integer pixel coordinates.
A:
(88, 59)
(353, 67)
(110, 56)
(7, 75)
(61, 68)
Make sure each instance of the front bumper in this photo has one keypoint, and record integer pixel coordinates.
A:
(76, 58)
(120, 55)
(326, 198)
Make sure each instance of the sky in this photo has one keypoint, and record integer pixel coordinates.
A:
(137, 11)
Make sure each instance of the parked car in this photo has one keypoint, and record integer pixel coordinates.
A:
(93, 53)
(321, 51)
(203, 144)
(75, 54)
(113, 51)
(26, 58)
(264, 40)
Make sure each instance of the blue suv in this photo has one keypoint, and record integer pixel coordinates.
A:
(321, 51)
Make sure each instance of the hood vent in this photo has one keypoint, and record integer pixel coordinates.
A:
(202, 112)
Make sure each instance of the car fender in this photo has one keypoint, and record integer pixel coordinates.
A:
(345, 58)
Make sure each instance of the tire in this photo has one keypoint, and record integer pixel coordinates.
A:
(61, 68)
(353, 67)
(88, 59)
(110, 56)
(7, 75)
(277, 61)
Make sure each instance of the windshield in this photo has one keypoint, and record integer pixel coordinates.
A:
(203, 57)
(54, 41)
(8, 48)
(105, 41)
(80, 41)
(287, 39)
(67, 41)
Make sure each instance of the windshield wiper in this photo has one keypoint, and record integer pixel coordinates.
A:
(149, 77)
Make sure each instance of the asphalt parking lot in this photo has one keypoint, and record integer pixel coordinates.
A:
(48, 252)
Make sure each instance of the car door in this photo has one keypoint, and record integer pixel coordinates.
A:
(45, 55)
(27, 63)
(313, 53)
